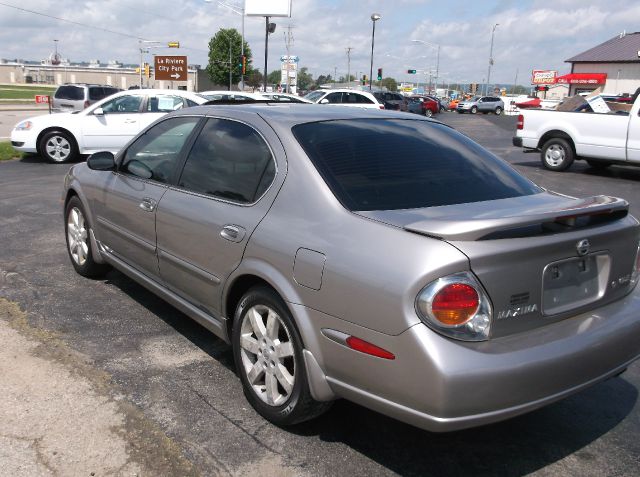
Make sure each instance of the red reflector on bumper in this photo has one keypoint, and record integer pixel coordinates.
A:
(368, 348)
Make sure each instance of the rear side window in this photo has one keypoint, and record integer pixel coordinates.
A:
(229, 160)
(71, 93)
(164, 104)
(387, 164)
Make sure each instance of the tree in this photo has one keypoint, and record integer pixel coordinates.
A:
(253, 79)
(219, 66)
(305, 80)
(390, 84)
(274, 78)
(322, 79)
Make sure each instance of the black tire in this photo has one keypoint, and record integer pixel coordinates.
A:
(58, 147)
(598, 165)
(474, 109)
(428, 113)
(498, 111)
(86, 266)
(557, 154)
(298, 405)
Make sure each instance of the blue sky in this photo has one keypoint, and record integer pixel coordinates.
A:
(532, 34)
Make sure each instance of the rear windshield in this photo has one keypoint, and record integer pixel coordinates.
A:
(388, 164)
(73, 93)
(97, 92)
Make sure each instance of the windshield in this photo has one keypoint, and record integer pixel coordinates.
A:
(388, 164)
(314, 95)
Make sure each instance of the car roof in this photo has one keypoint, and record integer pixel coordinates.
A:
(289, 115)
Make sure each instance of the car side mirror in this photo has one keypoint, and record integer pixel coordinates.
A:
(98, 112)
(324, 101)
(102, 161)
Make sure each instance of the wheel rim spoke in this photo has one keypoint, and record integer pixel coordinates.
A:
(257, 324)
(271, 388)
(273, 325)
(284, 350)
(249, 344)
(256, 372)
(284, 378)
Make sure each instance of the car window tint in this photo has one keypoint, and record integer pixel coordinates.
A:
(334, 98)
(154, 154)
(361, 98)
(71, 93)
(123, 104)
(228, 160)
(390, 164)
(164, 104)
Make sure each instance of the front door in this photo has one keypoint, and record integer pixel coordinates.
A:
(111, 130)
(633, 137)
(204, 223)
(127, 218)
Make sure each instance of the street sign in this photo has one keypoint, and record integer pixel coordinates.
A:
(171, 68)
(173, 44)
(42, 98)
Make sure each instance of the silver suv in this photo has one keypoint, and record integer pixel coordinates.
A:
(483, 104)
(76, 97)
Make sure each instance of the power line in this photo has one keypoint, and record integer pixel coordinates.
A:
(73, 22)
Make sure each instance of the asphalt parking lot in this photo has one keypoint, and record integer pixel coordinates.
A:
(178, 378)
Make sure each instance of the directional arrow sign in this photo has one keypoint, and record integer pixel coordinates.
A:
(170, 68)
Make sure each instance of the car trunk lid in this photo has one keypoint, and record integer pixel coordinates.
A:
(541, 258)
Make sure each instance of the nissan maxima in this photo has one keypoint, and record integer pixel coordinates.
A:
(368, 255)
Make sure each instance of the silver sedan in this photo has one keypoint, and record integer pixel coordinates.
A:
(367, 255)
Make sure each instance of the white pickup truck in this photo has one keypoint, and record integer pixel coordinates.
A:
(562, 137)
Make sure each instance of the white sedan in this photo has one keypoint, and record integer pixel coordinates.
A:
(104, 126)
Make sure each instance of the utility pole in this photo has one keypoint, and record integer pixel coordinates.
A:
(335, 74)
(515, 82)
(288, 40)
(486, 91)
(348, 48)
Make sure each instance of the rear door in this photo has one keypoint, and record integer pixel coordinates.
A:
(127, 212)
(225, 189)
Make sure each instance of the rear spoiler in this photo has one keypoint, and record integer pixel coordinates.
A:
(583, 212)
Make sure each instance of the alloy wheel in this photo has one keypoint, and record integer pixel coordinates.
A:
(555, 155)
(77, 236)
(267, 354)
(58, 148)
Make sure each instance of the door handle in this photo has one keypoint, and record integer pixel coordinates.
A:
(148, 204)
(129, 121)
(233, 233)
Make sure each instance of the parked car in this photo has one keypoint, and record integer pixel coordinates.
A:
(423, 105)
(78, 96)
(442, 102)
(391, 100)
(453, 104)
(285, 98)
(562, 137)
(105, 126)
(231, 96)
(483, 104)
(344, 97)
(342, 253)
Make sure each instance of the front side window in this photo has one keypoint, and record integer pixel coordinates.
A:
(229, 160)
(123, 104)
(154, 155)
(388, 164)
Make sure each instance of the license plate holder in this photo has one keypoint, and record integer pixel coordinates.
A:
(574, 282)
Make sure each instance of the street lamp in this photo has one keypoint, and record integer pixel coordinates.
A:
(432, 45)
(239, 11)
(493, 31)
(374, 18)
(144, 46)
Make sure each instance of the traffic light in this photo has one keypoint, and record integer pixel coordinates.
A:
(147, 70)
(243, 64)
(411, 72)
(364, 80)
(173, 44)
(379, 74)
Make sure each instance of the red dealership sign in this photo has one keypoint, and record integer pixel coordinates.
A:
(583, 78)
(543, 76)
(42, 98)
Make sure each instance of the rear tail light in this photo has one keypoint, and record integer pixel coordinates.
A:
(86, 104)
(381, 106)
(456, 306)
(520, 123)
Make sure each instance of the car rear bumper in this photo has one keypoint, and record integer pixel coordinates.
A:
(517, 141)
(441, 384)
